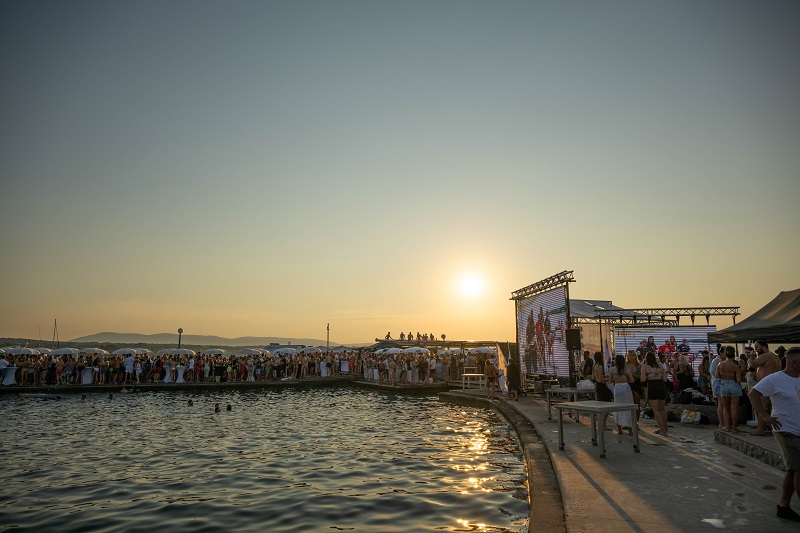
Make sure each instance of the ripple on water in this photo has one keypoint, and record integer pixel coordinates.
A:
(316, 460)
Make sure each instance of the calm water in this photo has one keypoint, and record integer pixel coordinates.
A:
(308, 460)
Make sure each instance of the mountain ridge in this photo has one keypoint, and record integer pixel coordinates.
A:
(201, 340)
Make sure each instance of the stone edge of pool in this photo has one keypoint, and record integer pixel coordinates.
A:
(544, 492)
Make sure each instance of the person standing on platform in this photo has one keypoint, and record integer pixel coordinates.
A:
(490, 371)
(655, 376)
(586, 366)
(730, 389)
(621, 376)
(715, 382)
(513, 377)
(601, 386)
(766, 363)
(784, 390)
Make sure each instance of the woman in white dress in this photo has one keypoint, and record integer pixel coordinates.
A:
(621, 377)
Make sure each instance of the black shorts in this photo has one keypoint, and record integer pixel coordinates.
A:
(656, 389)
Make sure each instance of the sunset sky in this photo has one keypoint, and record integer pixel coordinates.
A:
(265, 168)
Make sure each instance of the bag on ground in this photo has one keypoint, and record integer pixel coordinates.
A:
(690, 417)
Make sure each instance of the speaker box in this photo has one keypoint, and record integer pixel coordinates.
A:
(573, 339)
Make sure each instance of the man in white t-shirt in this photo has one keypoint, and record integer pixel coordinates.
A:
(130, 361)
(783, 388)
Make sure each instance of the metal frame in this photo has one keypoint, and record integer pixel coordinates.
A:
(545, 285)
(658, 315)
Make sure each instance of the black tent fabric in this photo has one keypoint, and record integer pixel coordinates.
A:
(778, 321)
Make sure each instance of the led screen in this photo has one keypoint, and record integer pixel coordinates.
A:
(541, 333)
(696, 338)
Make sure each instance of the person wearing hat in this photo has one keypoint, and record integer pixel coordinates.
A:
(683, 347)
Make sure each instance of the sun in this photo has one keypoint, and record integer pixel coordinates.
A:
(471, 285)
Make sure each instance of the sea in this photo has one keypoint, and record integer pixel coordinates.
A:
(323, 459)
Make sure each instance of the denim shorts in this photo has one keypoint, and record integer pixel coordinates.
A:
(730, 387)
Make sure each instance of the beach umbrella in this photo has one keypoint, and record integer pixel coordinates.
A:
(94, 351)
(165, 351)
(250, 351)
(125, 351)
(284, 351)
(2, 351)
(393, 351)
(17, 350)
(212, 351)
(65, 351)
(310, 350)
(416, 350)
(483, 350)
(141, 351)
(182, 351)
(42, 350)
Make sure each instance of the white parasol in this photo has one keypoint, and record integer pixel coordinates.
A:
(284, 351)
(125, 351)
(65, 351)
(17, 350)
(212, 351)
(417, 350)
(182, 351)
(310, 350)
(94, 351)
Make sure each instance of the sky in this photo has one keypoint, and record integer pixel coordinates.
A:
(263, 168)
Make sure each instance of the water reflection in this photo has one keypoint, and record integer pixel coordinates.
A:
(280, 461)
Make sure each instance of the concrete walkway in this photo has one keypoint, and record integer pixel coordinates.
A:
(689, 481)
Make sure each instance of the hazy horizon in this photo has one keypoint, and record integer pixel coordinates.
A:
(245, 166)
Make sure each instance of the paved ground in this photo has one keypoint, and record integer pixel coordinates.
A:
(682, 483)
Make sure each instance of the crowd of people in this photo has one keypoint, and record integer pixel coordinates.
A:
(655, 374)
(84, 369)
(46, 369)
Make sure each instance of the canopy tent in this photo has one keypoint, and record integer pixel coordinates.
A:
(778, 321)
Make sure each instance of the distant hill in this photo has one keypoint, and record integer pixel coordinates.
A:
(192, 340)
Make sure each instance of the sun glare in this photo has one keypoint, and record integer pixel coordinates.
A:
(471, 285)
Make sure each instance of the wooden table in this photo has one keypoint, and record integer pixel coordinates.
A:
(467, 378)
(595, 408)
(567, 391)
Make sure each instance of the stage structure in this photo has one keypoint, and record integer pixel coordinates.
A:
(626, 328)
(553, 330)
(543, 316)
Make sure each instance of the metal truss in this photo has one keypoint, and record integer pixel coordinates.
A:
(670, 316)
(562, 278)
